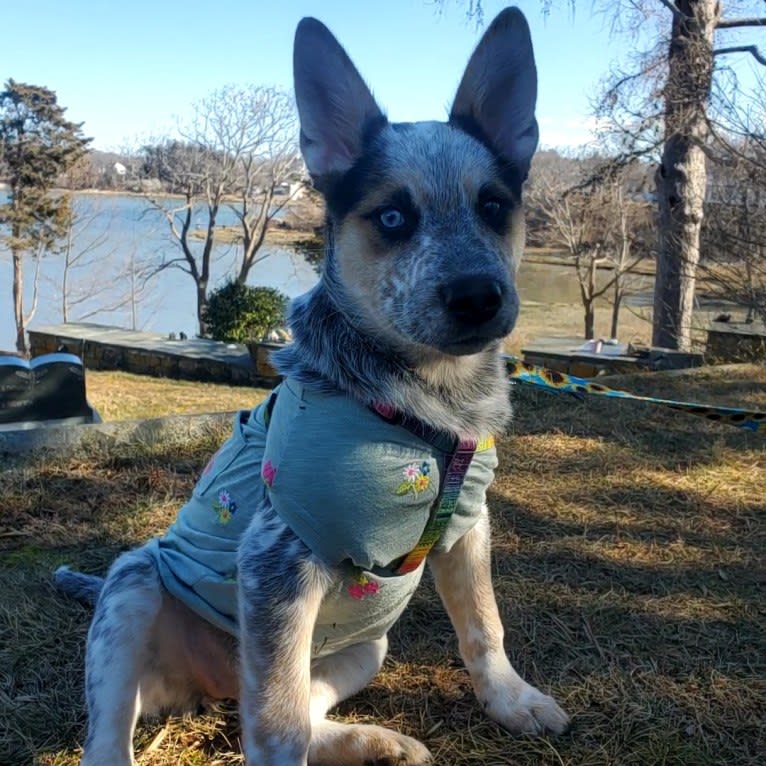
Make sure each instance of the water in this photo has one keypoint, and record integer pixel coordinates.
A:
(117, 236)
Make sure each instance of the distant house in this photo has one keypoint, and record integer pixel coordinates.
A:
(119, 169)
(294, 190)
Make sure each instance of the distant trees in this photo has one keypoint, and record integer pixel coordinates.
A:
(37, 145)
(236, 151)
(734, 228)
(592, 209)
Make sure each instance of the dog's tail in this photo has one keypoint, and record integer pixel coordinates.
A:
(83, 587)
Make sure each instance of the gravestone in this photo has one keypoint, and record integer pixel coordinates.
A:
(50, 387)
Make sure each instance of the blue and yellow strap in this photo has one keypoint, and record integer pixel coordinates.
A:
(524, 372)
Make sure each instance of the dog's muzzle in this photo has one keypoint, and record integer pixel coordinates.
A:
(479, 309)
(473, 301)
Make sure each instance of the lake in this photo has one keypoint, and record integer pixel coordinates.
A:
(118, 235)
(115, 237)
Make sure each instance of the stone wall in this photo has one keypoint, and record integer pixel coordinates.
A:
(736, 342)
(235, 367)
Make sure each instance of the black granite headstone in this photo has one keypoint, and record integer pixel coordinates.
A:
(48, 387)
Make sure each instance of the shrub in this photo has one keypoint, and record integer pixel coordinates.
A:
(238, 313)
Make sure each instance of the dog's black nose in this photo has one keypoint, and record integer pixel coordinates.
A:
(473, 300)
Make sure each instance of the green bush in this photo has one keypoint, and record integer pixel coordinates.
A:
(238, 313)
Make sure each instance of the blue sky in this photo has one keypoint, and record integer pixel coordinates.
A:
(128, 70)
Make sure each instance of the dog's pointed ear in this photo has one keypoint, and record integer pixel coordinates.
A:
(498, 91)
(335, 106)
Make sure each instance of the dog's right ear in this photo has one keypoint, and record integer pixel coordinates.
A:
(335, 106)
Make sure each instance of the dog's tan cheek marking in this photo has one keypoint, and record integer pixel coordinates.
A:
(516, 237)
(361, 259)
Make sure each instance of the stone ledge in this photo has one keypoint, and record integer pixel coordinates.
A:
(19, 445)
(737, 341)
(110, 348)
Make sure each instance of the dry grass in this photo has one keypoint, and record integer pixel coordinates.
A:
(124, 396)
(628, 565)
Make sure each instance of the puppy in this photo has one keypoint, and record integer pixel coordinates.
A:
(309, 529)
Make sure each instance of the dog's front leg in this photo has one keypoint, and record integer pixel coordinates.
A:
(280, 591)
(464, 582)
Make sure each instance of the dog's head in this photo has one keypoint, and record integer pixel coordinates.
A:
(426, 217)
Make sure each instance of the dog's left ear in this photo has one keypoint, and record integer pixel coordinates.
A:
(498, 91)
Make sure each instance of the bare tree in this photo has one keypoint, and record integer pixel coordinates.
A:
(272, 164)
(586, 208)
(238, 146)
(631, 237)
(734, 230)
(662, 107)
(92, 282)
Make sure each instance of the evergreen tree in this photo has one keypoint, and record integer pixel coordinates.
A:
(37, 145)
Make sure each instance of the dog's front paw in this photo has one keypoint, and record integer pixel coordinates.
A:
(364, 745)
(527, 711)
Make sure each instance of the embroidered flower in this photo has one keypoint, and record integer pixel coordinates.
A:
(224, 506)
(362, 587)
(356, 591)
(268, 473)
(411, 472)
(416, 479)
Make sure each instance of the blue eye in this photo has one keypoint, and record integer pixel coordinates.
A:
(391, 218)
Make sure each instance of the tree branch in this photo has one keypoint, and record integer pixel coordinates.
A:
(734, 23)
(751, 49)
(671, 6)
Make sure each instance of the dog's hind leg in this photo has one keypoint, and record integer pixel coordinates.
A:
(463, 580)
(336, 677)
(116, 657)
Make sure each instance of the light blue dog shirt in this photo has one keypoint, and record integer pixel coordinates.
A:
(357, 489)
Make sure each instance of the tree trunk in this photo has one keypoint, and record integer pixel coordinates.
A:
(587, 280)
(616, 305)
(590, 321)
(682, 174)
(18, 301)
(204, 328)
(65, 277)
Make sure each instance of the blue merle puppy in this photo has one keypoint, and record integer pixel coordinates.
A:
(310, 528)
